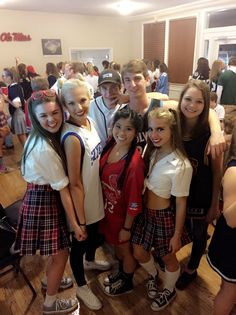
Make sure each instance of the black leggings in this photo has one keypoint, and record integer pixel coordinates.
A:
(87, 247)
(197, 229)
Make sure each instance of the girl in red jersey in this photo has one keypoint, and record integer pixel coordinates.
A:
(122, 177)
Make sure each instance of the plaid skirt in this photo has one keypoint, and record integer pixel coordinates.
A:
(154, 229)
(42, 222)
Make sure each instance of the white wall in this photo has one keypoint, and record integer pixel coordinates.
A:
(75, 31)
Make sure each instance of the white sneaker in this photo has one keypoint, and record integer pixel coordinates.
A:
(97, 265)
(85, 294)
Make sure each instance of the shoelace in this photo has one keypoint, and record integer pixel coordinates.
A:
(162, 296)
(63, 304)
(116, 285)
(65, 281)
(151, 285)
(114, 276)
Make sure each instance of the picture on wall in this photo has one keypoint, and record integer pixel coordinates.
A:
(51, 47)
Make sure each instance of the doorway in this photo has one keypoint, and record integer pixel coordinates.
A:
(224, 49)
(94, 55)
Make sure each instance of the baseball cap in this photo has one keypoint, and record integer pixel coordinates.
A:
(30, 69)
(109, 76)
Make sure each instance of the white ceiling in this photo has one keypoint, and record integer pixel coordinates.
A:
(88, 7)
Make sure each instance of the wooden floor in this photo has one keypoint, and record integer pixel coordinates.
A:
(15, 296)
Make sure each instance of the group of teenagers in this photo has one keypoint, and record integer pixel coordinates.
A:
(142, 176)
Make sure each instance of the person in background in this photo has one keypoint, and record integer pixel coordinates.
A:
(219, 109)
(42, 222)
(31, 72)
(106, 64)
(150, 68)
(220, 254)
(52, 73)
(24, 80)
(226, 90)
(202, 71)
(163, 81)
(4, 131)
(37, 83)
(96, 70)
(91, 78)
(215, 72)
(61, 68)
(16, 101)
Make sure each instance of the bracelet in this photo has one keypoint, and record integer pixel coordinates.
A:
(126, 229)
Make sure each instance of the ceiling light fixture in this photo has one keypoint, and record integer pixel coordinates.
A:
(126, 7)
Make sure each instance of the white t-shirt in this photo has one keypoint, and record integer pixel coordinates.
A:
(93, 201)
(103, 118)
(93, 81)
(170, 176)
(220, 111)
(44, 166)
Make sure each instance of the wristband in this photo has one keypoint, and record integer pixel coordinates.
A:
(126, 229)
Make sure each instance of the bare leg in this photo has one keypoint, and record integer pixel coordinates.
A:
(22, 138)
(171, 262)
(225, 299)
(141, 254)
(124, 252)
(55, 270)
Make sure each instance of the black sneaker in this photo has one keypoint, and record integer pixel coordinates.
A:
(185, 279)
(121, 286)
(112, 277)
(163, 299)
(152, 287)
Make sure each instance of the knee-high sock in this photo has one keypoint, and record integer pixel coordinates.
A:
(170, 279)
(150, 267)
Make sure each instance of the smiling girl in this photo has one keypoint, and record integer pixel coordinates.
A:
(203, 200)
(83, 149)
(122, 176)
(42, 223)
(158, 226)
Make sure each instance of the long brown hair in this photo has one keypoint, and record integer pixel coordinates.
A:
(37, 98)
(202, 124)
(216, 70)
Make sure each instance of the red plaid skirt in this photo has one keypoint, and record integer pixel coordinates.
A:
(42, 222)
(154, 229)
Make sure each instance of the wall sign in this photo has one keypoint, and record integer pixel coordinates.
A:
(51, 47)
(14, 37)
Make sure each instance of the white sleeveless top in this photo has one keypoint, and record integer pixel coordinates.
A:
(93, 201)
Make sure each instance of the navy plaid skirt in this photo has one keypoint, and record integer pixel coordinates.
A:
(42, 222)
(154, 229)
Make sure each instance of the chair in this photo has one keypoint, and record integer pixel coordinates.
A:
(8, 219)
